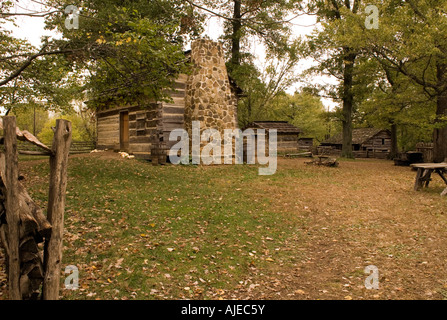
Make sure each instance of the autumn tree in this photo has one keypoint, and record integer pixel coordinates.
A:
(304, 110)
(413, 41)
(119, 48)
(410, 39)
(129, 48)
(268, 23)
(397, 103)
(336, 56)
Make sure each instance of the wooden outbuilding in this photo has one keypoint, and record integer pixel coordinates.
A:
(287, 134)
(366, 143)
(305, 144)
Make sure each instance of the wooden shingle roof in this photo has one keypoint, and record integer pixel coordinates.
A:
(359, 136)
(280, 126)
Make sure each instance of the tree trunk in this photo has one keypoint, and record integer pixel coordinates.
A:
(440, 134)
(394, 149)
(236, 35)
(348, 102)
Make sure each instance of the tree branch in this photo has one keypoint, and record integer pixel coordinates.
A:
(239, 19)
(29, 61)
(36, 15)
(398, 65)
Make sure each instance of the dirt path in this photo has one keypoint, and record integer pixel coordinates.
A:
(365, 214)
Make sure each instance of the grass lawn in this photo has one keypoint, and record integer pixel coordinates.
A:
(136, 231)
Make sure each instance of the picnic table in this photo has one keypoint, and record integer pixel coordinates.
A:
(424, 172)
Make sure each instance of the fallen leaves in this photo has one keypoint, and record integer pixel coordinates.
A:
(118, 263)
(149, 233)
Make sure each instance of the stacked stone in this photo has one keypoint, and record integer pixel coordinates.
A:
(209, 98)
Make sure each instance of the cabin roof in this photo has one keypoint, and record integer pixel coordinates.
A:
(280, 126)
(359, 136)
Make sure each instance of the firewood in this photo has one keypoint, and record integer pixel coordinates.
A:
(32, 218)
(23, 225)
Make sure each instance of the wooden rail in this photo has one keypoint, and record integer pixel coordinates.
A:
(77, 147)
(22, 223)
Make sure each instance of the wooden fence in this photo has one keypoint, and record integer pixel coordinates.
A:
(77, 147)
(426, 148)
(33, 272)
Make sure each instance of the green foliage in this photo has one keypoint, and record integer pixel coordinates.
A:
(261, 87)
(131, 48)
(45, 80)
(30, 75)
(28, 116)
(265, 21)
(121, 50)
(399, 73)
(306, 112)
(394, 99)
(81, 128)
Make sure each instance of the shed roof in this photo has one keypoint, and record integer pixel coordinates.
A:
(359, 136)
(280, 126)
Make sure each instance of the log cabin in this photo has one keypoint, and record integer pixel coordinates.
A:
(207, 94)
(305, 144)
(366, 143)
(287, 134)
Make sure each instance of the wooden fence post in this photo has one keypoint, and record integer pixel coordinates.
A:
(56, 209)
(12, 206)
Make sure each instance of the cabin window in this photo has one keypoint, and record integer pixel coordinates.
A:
(141, 127)
(383, 142)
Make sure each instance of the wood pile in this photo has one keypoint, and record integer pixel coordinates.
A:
(33, 229)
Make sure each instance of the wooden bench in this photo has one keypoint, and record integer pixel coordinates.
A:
(424, 172)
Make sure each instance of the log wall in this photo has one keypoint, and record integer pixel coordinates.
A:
(287, 142)
(378, 146)
(146, 123)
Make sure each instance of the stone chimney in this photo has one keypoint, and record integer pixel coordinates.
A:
(209, 98)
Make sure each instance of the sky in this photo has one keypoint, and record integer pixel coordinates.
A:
(32, 29)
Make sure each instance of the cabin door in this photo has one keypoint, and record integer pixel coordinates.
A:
(124, 131)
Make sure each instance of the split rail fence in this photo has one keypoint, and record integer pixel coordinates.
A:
(33, 270)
